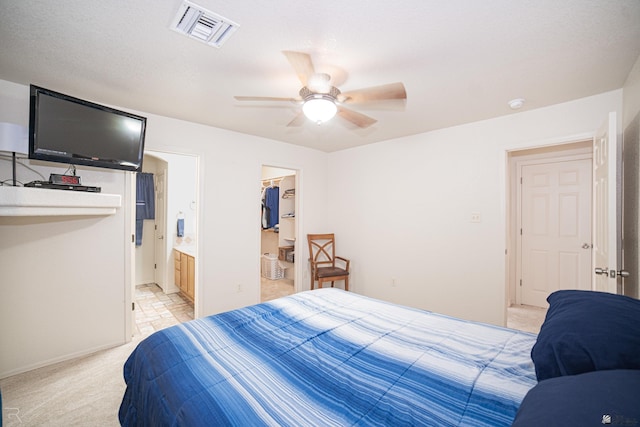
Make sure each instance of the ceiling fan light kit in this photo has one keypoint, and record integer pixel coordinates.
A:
(319, 108)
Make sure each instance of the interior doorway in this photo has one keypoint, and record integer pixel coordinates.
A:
(555, 207)
(173, 230)
(278, 232)
(555, 228)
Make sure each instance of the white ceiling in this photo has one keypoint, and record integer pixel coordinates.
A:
(460, 60)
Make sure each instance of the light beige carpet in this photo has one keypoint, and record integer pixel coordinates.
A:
(80, 392)
(87, 391)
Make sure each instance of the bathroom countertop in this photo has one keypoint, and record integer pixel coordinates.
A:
(186, 249)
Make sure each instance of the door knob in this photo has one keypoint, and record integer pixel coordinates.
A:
(623, 273)
(587, 246)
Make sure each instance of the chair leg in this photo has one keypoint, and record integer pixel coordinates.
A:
(346, 283)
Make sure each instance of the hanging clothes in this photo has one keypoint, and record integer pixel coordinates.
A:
(180, 226)
(264, 217)
(271, 207)
(145, 202)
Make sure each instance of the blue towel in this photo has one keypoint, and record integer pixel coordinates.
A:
(139, 225)
(145, 196)
(181, 227)
(145, 202)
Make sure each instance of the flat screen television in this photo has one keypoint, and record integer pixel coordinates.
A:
(69, 130)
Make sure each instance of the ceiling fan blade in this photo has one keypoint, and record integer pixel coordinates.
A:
(301, 63)
(264, 98)
(376, 93)
(297, 120)
(356, 118)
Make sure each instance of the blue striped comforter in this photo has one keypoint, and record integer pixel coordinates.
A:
(328, 358)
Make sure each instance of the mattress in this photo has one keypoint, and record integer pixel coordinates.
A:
(332, 358)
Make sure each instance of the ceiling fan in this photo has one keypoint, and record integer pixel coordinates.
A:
(321, 100)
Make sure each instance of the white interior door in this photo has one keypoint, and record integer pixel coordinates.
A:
(160, 228)
(604, 164)
(555, 229)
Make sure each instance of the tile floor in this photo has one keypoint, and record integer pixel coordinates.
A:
(156, 310)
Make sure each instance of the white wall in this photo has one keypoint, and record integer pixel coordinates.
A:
(53, 307)
(401, 209)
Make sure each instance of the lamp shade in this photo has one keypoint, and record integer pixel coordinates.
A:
(14, 138)
(319, 109)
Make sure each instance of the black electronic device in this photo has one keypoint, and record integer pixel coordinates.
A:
(69, 130)
(52, 186)
(55, 178)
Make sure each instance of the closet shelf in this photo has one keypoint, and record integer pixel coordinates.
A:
(24, 201)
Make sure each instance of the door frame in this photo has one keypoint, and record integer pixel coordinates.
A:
(161, 263)
(297, 251)
(130, 263)
(559, 158)
(579, 145)
(129, 255)
(607, 252)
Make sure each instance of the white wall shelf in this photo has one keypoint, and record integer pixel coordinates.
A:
(26, 201)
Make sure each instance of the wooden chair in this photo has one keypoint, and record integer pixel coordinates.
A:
(322, 257)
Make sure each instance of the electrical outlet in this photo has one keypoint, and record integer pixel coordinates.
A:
(475, 217)
(394, 282)
(239, 287)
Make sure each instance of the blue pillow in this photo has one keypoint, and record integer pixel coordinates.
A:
(587, 331)
(591, 399)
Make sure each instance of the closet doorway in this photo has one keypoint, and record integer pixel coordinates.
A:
(278, 232)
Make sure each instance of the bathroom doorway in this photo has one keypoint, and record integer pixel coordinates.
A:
(166, 239)
(278, 232)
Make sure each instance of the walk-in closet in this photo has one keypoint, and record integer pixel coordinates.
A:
(277, 232)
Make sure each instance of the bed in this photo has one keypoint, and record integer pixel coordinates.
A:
(332, 358)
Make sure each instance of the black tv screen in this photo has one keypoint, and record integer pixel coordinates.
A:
(65, 129)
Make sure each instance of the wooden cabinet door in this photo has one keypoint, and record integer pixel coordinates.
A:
(176, 266)
(183, 272)
(191, 276)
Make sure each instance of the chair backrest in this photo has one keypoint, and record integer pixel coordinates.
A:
(322, 248)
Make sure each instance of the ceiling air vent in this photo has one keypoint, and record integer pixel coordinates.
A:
(199, 23)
